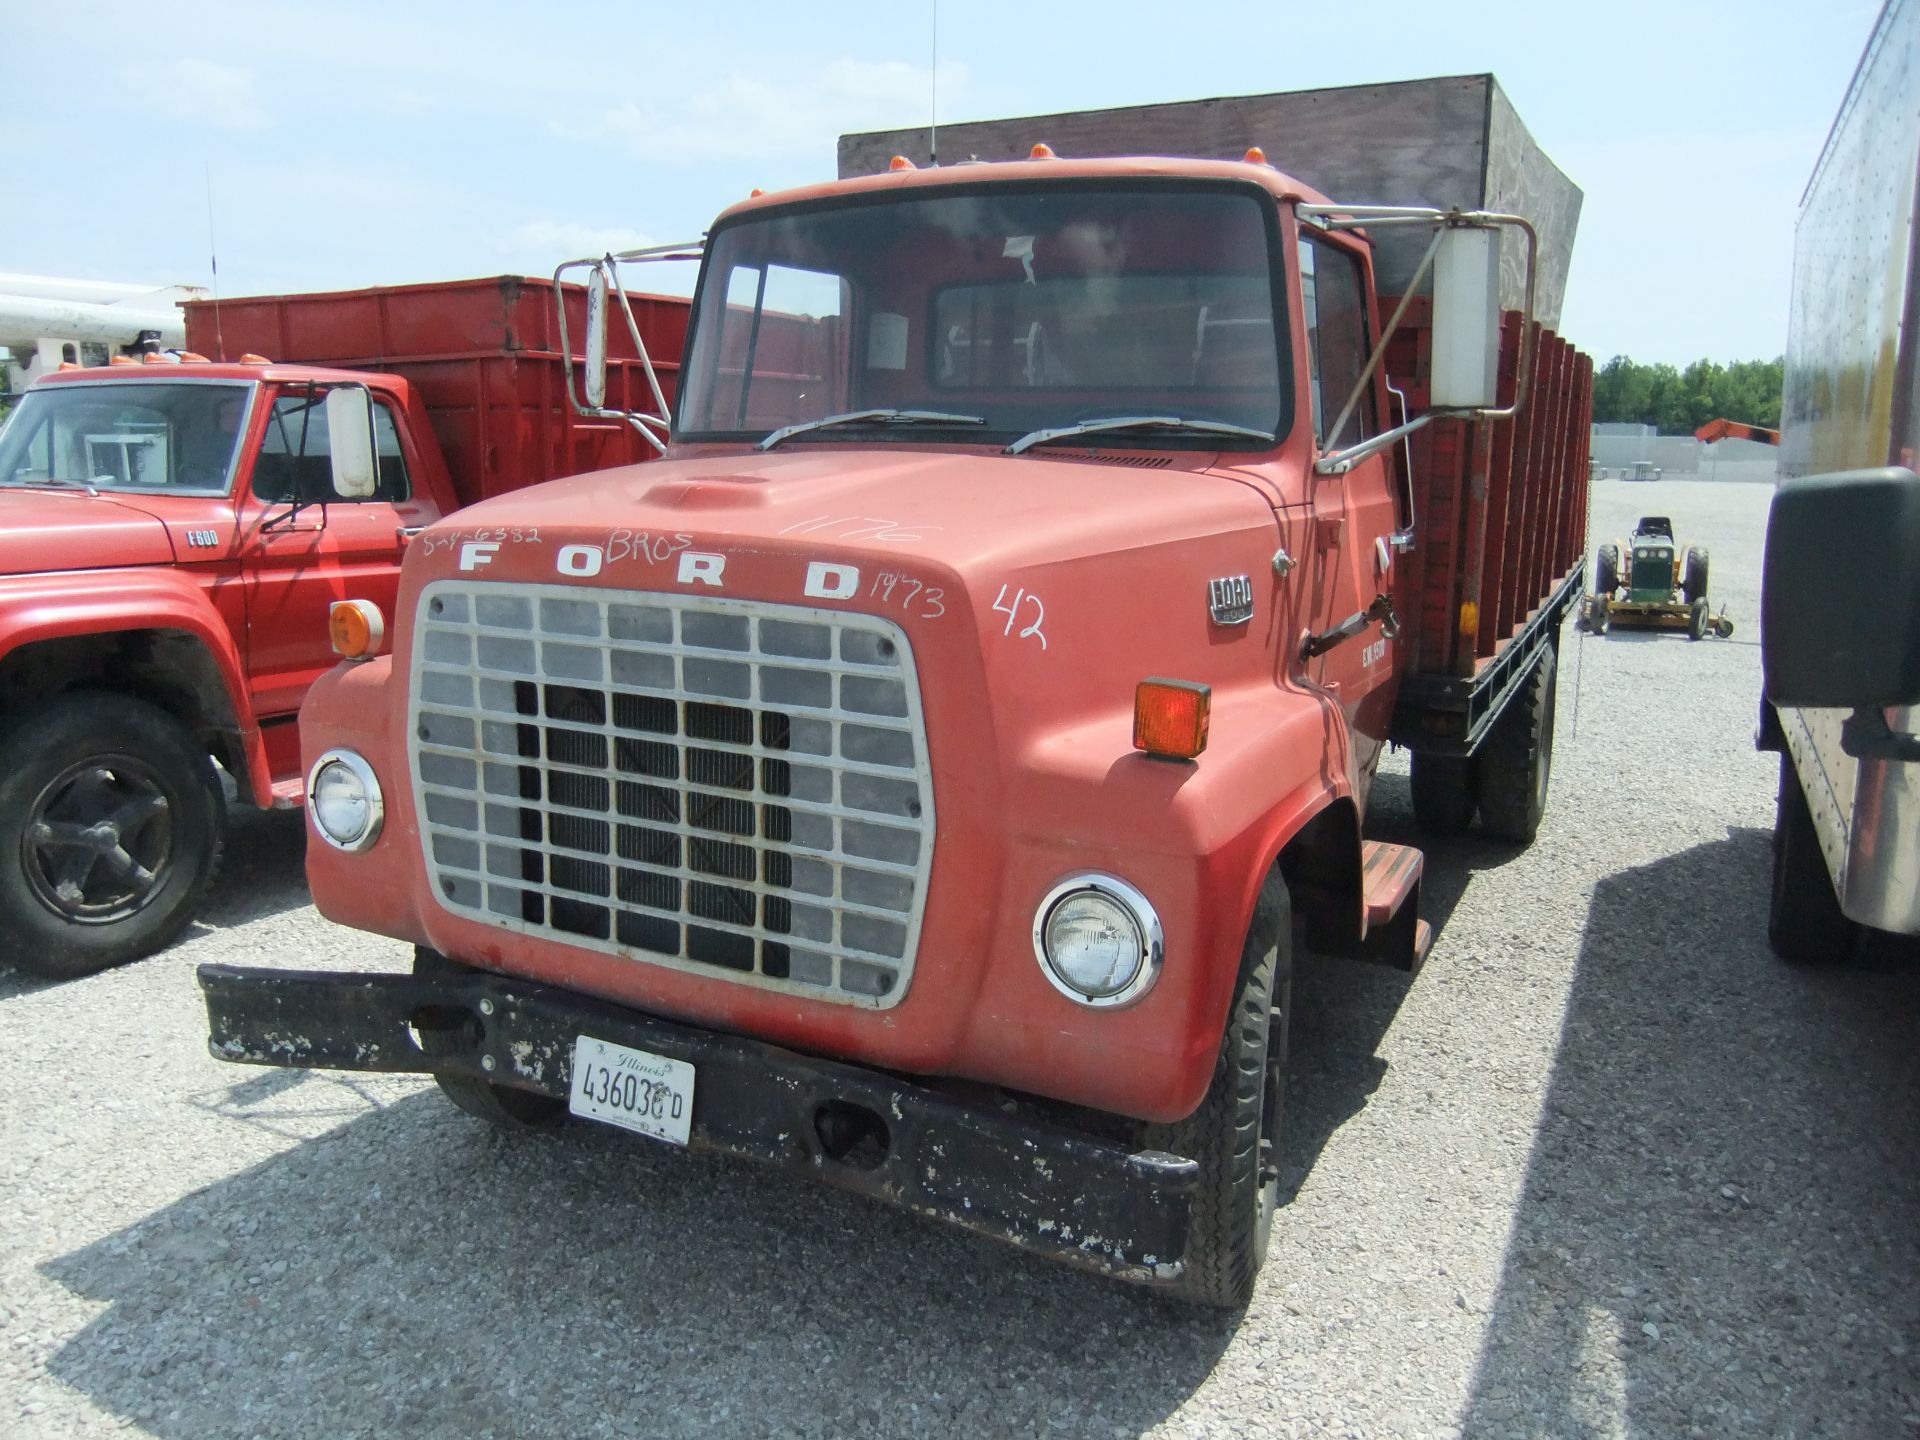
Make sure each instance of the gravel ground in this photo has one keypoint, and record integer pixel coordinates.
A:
(1603, 1168)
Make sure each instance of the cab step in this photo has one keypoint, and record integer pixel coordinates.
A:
(1396, 935)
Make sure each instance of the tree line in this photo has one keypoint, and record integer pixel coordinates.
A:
(1679, 402)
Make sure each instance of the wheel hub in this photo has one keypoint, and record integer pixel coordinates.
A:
(98, 839)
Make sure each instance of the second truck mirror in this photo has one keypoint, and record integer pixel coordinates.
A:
(596, 367)
(1466, 319)
(356, 473)
(1841, 590)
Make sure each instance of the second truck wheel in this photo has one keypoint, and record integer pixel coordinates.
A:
(1516, 762)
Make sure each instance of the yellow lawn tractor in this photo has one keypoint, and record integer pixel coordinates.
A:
(1658, 590)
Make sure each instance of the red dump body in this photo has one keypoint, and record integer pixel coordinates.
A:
(484, 356)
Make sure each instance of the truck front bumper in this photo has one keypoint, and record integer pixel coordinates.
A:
(1068, 1196)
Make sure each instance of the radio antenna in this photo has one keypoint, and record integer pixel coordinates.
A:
(933, 100)
(213, 263)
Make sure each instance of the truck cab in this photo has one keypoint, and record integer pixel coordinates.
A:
(171, 539)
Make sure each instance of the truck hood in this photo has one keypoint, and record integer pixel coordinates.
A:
(45, 530)
(966, 511)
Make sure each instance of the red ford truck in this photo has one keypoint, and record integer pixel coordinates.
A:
(922, 778)
(171, 538)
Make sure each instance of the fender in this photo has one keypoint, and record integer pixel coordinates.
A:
(58, 606)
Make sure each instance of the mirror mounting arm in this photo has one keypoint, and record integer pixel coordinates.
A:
(1865, 735)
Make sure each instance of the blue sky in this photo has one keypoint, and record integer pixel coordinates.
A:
(360, 143)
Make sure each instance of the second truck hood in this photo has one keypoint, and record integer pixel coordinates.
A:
(965, 510)
(72, 530)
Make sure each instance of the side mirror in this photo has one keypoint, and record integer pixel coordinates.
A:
(1840, 596)
(356, 472)
(596, 363)
(1466, 319)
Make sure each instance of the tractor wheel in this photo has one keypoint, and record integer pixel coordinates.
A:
(1606, 570)
(1805, 923)
(1698, 619)
(501, 1106)
(1443, 798)
(1515, 762)
(1235, 1135)
(111, 825)
(1600, 614)
(1693, 580)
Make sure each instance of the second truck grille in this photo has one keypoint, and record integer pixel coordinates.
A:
(728, 787)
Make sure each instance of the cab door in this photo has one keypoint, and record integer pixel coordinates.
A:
(303, 547)
(1354, 514)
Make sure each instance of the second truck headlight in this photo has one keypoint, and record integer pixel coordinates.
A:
(344, 796)
(1098, 940)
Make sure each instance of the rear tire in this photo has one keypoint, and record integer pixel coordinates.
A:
(1693, 582)
(112, 821)
(1443, 798)
(1515, 763)
(1235, 1135)
(1606, 570)
(1805, 923)
(501, 1106)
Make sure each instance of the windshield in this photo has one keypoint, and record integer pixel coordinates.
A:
(1029, 306)
(146, 437)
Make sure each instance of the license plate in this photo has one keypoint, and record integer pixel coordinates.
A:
(638, 1091)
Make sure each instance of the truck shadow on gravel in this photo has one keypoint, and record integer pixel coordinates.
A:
(410, 1272)
(1718, 1226)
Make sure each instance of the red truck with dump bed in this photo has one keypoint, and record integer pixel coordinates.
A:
(921, 778)
(171, 540)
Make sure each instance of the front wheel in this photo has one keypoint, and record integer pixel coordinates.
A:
(111, 826)
(1236, 1133)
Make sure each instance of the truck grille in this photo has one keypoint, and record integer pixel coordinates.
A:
(726, 787)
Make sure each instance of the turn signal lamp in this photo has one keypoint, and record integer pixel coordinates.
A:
(1170, 718)
(1042, 151)
(901, 162)
(356, 629)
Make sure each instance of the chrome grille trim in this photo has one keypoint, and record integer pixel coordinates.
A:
(732, 788)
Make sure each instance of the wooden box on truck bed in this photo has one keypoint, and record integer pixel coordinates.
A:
(484, 356)
(1453, 141)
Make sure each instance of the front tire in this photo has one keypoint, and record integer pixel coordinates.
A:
(1515, 763)
(1805, 923)
(1606, 570)
(1693, 584)
(1236, 1133)
(112, 822)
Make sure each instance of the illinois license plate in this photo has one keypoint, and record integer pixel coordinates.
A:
(634, 1089)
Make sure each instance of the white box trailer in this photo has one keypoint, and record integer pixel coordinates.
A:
(1841, 593)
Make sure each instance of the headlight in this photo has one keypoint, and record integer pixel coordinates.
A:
(345, 801)
(1098, 941)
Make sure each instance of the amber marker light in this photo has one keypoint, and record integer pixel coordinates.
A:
(356, 629)
(1170, 718)
(901, 162)
(1255, 155)
(1042, 151)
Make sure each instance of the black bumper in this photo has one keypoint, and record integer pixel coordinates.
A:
(1068, 1196)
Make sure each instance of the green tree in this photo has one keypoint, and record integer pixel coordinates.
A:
(1678, 402)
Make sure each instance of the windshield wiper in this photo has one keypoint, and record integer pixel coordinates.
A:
(89, 485)
(870, 417)
(1135, 422)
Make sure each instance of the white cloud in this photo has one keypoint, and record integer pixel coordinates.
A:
(744, 116)
(223, 96)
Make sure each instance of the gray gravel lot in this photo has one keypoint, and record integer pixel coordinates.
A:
(1603, 1168)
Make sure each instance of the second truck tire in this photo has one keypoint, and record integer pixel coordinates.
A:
(111, 826)
(1515, 763)
(1805, 923)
